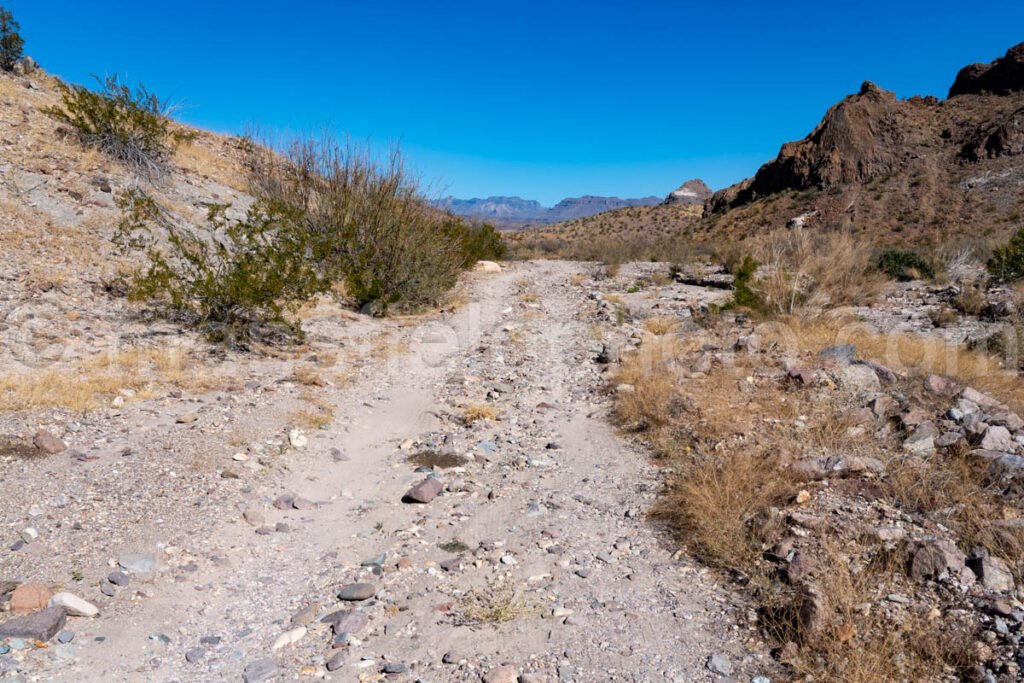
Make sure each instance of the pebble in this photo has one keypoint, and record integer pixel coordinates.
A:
(254, 516)
(337, 660)
(395, 668)
(137, 563)
(29, 534)
(118, 578)
(107, 588)
(423, 492)
(502, 674)
(720, 665)
(187, 418)
(289, 637)
(194, 655)
(297, 439)
(357, 592)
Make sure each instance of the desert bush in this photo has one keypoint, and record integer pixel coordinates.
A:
(233, 279)
(130, 125)
(11, 42)
(744, 296)
(368, 225)
(903, 264)
(1007, 261)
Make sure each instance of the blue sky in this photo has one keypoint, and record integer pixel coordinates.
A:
(538, 99)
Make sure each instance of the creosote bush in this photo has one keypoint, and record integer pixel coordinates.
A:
(130, 125)
(368, 225)
(11, 42)
(233, 279)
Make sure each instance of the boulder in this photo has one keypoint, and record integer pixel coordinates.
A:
(943, 386)
(992, 572)
(934, 560)
(996, 438)
(30, 597)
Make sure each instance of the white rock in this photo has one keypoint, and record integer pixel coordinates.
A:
(74, 605)
(487, 267)
(29, 534)
(297, 439)
(289, 637)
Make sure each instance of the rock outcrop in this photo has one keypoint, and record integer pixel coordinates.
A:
(1000, 77)
(693, 191)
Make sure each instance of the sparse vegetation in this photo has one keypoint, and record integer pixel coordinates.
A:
(1007, 261)
(130, 125)
(476, 412)
(11, 42)
(904, 264)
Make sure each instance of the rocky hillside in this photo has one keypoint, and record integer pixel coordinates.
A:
(693, 191)
(515, 212)
(921, 170)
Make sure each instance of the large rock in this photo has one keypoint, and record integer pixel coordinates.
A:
(48, 443)
(357, 592)
(346, 621)
(30, 597)
(693, 191)
(1001, 77)
(423, 492)
(502, 674)
(42, 625)
(997, 438)
(934, 560)
(992, 572)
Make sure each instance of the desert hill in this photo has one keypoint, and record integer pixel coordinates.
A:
(515, 212)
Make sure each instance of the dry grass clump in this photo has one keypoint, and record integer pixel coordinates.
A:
(476, 412)
(661, 325)
(908, 354)
(805, 273)
(494, 606)
(647, 385)
(138, 372)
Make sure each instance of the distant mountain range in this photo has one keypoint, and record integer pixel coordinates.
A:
(516, 212)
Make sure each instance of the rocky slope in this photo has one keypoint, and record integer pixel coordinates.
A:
(919, 170)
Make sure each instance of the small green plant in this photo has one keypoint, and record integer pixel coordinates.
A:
(130, 125)
(743, 285)
(77, 575)
(233, 279)
(904, 264)
(11, 43)
(1007, 261)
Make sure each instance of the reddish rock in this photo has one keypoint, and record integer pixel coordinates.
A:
(48, 443)
(423, 492)
(30, 597)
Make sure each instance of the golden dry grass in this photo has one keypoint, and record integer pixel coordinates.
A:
(492, 606)
(476, 412)
(92, 383)
(661, 325)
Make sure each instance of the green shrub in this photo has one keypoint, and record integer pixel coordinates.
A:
(904, 264)
(11, 43)
(744, 295)
(1007, 261)
(368, 225)
(233, 279)
(130, 125)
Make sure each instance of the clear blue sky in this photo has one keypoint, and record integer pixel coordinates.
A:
(539, 99)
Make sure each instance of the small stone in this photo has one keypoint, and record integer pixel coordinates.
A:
(337, 660)
(65, 637)
(259, 671)
(289, 637)
(300, 503)
(194, 655)
(992, 572)
(453, 658)
(137, 563)
(502, 674)
(48, 443)
(803, 496)
(254, 516)
(107, 588)
(357, 592)
(74, 605)
(118, 578)
(346, 621)
(187, 418)
(997, 438)
(42, 625)
(297, 439)
(30, 597)
(29, 534)
(720, 665)
(423, 492)
(305, 615)
(394, 668)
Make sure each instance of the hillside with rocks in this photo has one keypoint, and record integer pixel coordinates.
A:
(915, 171)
